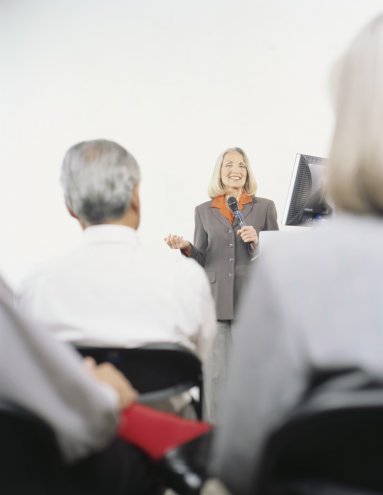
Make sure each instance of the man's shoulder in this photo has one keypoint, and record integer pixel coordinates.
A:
(296, 252)
(47, 269)
(176, 266)
(174, 260)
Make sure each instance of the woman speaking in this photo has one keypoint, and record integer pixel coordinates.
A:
(225, 240)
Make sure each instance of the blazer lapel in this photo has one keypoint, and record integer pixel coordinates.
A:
(220, 217)
(248, 208)
(236, 222)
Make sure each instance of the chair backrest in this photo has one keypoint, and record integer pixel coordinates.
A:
(332, 443)
(157, 371)
(29, 454)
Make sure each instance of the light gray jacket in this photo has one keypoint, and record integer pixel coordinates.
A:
(222, 252)
(314, 302)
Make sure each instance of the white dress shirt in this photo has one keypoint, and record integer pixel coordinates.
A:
(112, 291)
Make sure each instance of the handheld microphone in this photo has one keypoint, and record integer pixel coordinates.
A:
(233, 205)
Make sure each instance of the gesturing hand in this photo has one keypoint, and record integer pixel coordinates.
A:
(176, 242)
(248, 234)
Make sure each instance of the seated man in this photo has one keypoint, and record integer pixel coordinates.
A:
(110, 291)
(84, 411)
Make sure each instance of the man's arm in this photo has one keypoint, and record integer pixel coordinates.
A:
(47, 378)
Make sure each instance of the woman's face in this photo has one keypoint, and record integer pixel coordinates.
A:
(233, 171)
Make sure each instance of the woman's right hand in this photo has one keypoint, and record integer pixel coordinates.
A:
(176, 242)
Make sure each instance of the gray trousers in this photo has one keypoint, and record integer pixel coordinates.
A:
(216, 369)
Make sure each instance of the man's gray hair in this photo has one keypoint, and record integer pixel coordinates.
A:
(98, 179)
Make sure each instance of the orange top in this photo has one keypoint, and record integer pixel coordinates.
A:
(220, 203)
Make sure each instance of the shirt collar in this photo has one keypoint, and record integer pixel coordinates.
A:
(110, 233)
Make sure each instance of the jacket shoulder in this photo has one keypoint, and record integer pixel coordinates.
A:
(264, 201)
(203, 206)
(203, 209)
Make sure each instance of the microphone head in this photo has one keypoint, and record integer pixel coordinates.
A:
(233, 204)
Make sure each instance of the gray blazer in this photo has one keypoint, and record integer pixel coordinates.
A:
(222, 252)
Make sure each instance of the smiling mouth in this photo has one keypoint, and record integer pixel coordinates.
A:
(235, 177)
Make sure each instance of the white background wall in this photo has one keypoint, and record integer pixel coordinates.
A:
(175, 82)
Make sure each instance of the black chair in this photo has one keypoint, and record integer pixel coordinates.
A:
(332, 444)
(30, 460)
(156, 371)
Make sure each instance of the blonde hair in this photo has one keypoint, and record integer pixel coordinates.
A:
(355, 165)
(216, 188)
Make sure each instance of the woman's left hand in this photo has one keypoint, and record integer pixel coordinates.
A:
(248, 234)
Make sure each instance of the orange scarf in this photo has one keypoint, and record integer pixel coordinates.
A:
(220, 203)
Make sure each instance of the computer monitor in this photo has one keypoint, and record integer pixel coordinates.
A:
(306, 202)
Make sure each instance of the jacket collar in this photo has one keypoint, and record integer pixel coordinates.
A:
(221, 211)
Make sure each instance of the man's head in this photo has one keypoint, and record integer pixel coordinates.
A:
(100, 180)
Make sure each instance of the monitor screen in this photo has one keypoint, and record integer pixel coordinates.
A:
(305, 201)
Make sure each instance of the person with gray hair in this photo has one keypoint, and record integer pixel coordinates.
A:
(110, 290)
(314, 300)
(69, 425)
(99, 179)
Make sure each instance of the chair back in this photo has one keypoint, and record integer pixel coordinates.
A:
(156, 371)
(331, 444)
(29, 454)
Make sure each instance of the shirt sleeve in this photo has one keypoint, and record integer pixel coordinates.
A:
(200, 240)
(266, 379)
(48, 378)
(271, 222)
